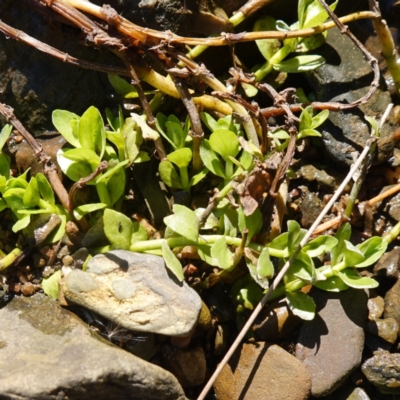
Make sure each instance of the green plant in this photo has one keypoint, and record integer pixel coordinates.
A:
(310, 14)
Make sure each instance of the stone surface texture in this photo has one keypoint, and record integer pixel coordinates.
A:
(136, 291)
(339, 80)
(47, 353)
(383, 371)
(331, 345)
(392, 302)
(263, 371)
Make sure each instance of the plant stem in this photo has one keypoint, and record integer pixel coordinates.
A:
(9, 259)
(266, 68)
(184, 178)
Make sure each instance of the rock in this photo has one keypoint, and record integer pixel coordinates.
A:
(35, 83)
(331, 345)
(375, 307)
(188, 366)
(47, 353)
(205, 322)
(388, 265)
(383, 371)
(136, 291)
(392, 302)
(263, 371)
(275, 322)
(311, 206)
(358, 394)
(347, 77)
(387, 329)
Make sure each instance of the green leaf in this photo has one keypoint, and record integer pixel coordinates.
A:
(281, 243)
(172, 263)
(73, 169)
(374, 125)
(176, 133)
(373, 249)
(45, 189)
(301, 305)
(221, 252)
(265, 268)
(169, 175)
(64, 122)
(4, 135)
(331, 284)
(311, 43)
(252, 223)
(181, 157)
(300, 64)
(301, 11)
(14, 198)
(351, 278)
(184, 222)
(267, 47)
(225, 143)
(204, 252)
(138, 233)
(83, 155)
(343, 233)
(81, 211)
(308, 132)
(50, 285)
(305, 120)
(122, 87)
(211, 160)
(195, 179)
(118, 229)
(303, 267)
(316, 14)
(32, 196)
(161, 119)
(320, 245)
(319, 119)
(295, 235)
(209, 121)
(21, 224)
(92, 134)
(250, 261)
(132, 139)
(5, 166)
(352, 255)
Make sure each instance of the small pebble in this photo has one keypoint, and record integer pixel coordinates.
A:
(67, 261)
(28, 289)
(387, 329)
(375, 307)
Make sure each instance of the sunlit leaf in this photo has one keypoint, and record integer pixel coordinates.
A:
(351, 278)
(331, 284)
(319, 119)
(81, 211)
(300, 64)
(139, 233)
(252, 223)
(32, 196)
(181, 157)
(122, 87)
(91, 131)
(343, 233)
(265, 268)
(184, 222)
(220, 251)
(352, 255)
(5, 165)
(21, 224)
(50, 285)
(118, 229)
(320, 245)
(209, 121)
(45, 189)
(210, 159)
(172, 262)
(63, 120)
(373, 249)
(301, 305)
(225, 143)
(195, 179)
(316, 14)
(303, 267)
(267, 47)
(169, 175)
(295, 235)
(4, 135)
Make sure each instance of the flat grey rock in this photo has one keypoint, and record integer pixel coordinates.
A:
(47, 353)
(136, 291)
(331, 345)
